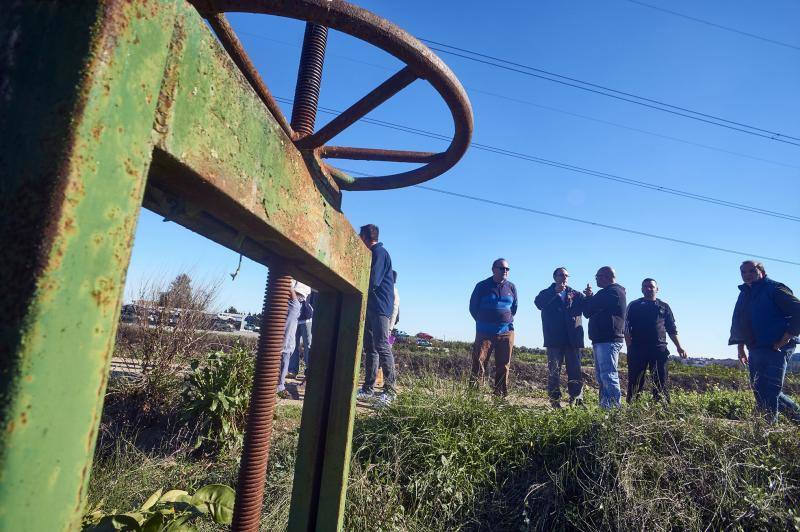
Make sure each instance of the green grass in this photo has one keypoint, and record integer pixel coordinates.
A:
(449, 460)
(443, 457)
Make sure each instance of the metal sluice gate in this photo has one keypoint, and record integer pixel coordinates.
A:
(108, 106)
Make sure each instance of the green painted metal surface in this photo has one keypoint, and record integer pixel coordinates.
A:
(84, 83)
(320, 480)
(107, 105)
(238, 177)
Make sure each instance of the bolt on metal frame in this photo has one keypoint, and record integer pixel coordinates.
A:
(108, 106)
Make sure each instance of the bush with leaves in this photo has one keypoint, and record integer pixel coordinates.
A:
(445, 459)
(173, 511)
(216, 396)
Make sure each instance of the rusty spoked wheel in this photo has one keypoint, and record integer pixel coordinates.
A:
(420, 62)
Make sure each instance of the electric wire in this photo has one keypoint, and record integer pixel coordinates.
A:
(611, 93)
(571, 168)
(540, 106)
(715, 25)
(529, 103)
(592, 223)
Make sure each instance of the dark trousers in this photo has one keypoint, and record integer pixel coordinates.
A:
(767, 371)
(556, 356)
(640, 359)
(377, 351)
(502, 345)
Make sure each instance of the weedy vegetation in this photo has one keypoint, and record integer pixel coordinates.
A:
(443, 457)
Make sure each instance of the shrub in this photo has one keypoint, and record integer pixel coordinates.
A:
(216, 396)
(170, 511)
(459, 461)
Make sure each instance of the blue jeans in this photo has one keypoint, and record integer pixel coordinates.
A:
(289, 341)
(767, 371)
(606, 355)
(304, 334)
(377, 351)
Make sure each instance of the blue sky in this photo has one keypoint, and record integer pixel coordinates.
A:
(441, 246)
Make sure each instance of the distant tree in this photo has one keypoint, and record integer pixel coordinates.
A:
(179, 293)
(232, 310)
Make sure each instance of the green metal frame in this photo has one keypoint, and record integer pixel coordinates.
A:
(107, 106)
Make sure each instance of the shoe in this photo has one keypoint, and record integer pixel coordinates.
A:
(363, 395)
(283, 394)
(576, 401)
(555, 403)
(383, 400)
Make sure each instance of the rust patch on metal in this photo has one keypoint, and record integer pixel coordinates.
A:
(104, 292)
(166, 95)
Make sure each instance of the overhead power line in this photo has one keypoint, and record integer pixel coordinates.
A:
(590, 222)
(521, 101)
(527, 70)
(715, 25)
(572, 168)
(605, 226)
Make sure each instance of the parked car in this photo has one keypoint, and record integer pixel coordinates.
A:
(223, 326)
(421, 342)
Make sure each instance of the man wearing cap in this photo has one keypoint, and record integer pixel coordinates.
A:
(563, 336)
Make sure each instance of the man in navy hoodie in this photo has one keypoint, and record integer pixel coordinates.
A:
(380, 303)
(492, 305)
(606, 313)
(766, 320)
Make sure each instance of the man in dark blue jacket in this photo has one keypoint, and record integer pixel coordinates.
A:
(563, 336)
(606, 314)
(492, 305)
(766, 320)
(380, 303)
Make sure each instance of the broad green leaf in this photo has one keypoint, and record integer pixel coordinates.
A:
(113, 523)
(173, 496)
(181, 524)
(153, 524)
(151, 501)
(140, 518)
(217, 500)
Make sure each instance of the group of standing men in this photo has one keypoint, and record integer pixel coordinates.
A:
(493, 305)
(766, 321)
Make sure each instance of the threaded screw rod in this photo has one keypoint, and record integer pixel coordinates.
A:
(255, 455)
(309, 78)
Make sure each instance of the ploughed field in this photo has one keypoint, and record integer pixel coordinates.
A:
(443, 457)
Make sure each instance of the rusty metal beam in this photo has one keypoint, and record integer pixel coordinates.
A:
(77, 99)
(224, 166)
(114, 104)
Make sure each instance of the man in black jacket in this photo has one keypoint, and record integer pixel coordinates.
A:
(606, 314)
(648, 321)
(563, 336)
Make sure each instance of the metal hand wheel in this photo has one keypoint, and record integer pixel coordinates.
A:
(420, 62)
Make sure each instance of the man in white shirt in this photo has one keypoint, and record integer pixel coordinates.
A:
(289, 339)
